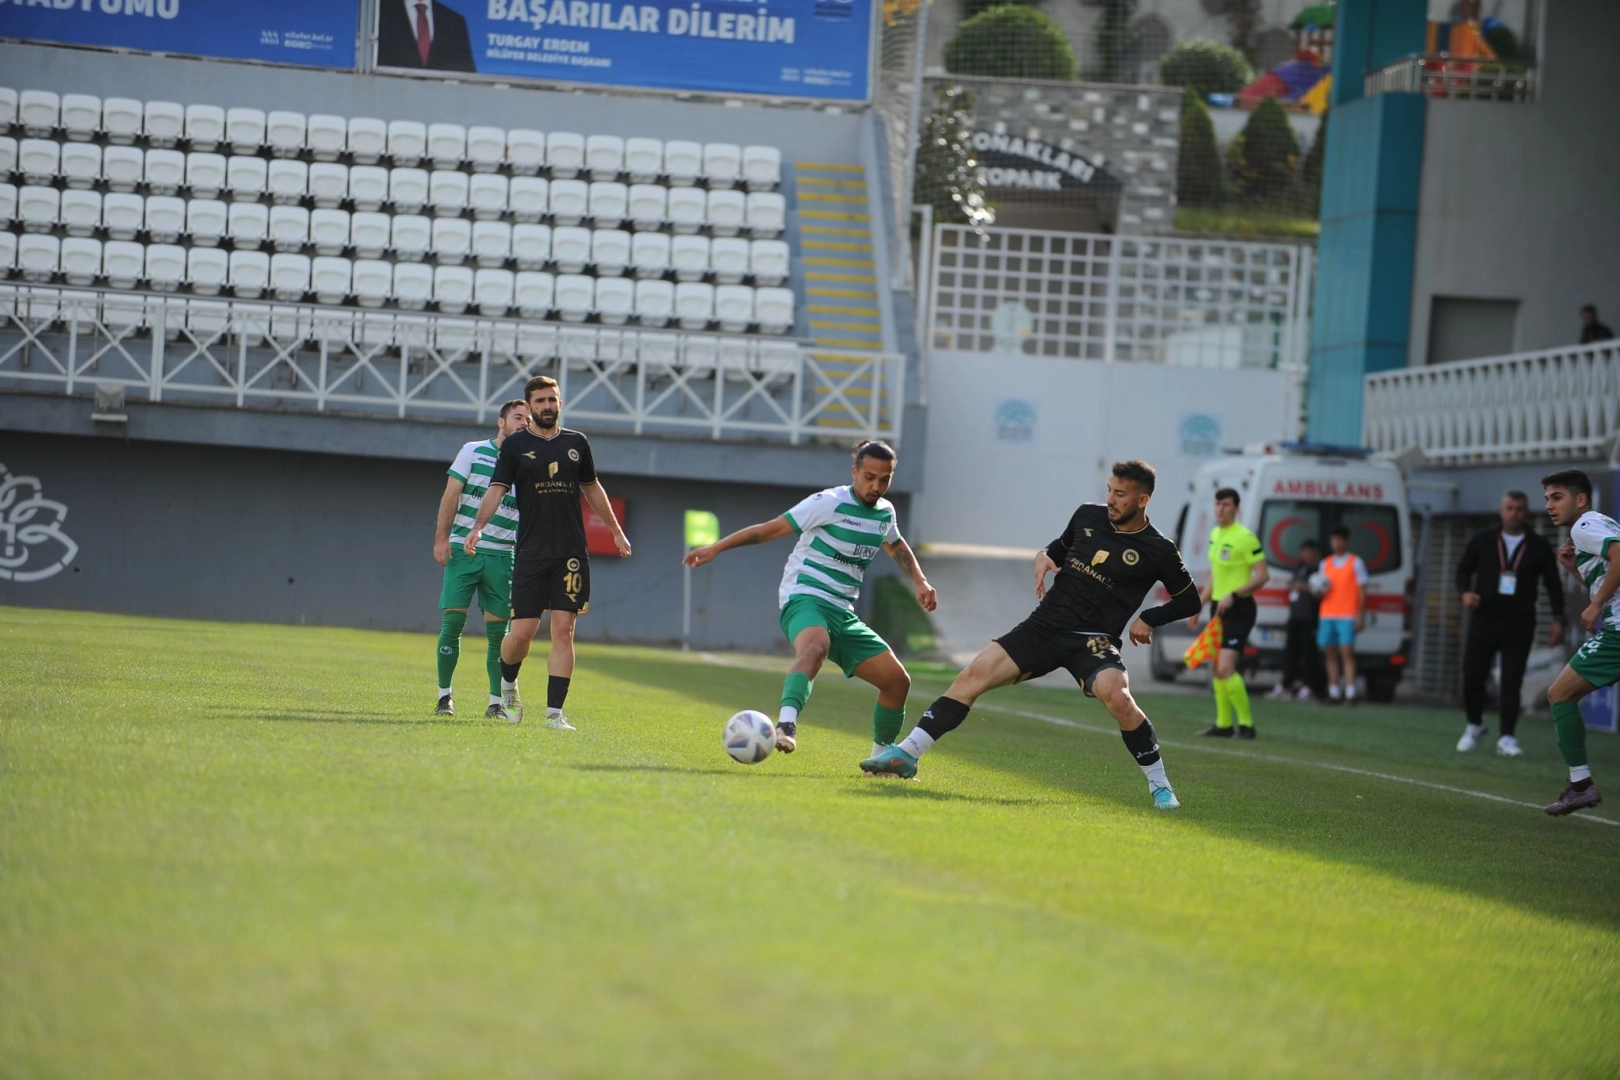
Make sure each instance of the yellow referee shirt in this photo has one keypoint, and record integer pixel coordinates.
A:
(1233, 551)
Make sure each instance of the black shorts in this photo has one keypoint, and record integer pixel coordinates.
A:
(1238, 622)
(541, 585)
(1038, 650)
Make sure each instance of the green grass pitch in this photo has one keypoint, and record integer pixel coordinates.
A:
(248, 851)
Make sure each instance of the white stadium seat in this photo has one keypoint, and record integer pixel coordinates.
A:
(326, 135)
(8, 155)
(608, 203)
(486, 148)
(289, 276)
(525, 151)
(532, 292)
(688, 209)
(206, 221)
(163, 123)
(575, 295)
(683, 162)
(643, 159)
(531, 246)
(648, 203)
(122, 215)
(570, 201)
(250, 273)
(412, 237)
(368, 186)
(247, 224)
(734, 307)
(407, 141)
(205, 175)
(245, 177)
(81, 260)
(39, 111)
(121, 314)
(777, 359)
(165, 218)
(81, 164)
(328, 184)
(80, 213)
(537, 342)
(81, 117)
(689, 257)
(284, 133)
(8, 203)
(768, 261)
(722, 164)
(655, 302)
(165, 171)
(413, 285)
(565, 153)
(287, 182)
(39, 160)
(767, 213)
(289, 227)
(372, 234)
(571, 248)
(492, 291)
(368, 140)
(761, 167)
(491, 242)
(649, 254)
(694, 304)
(373, 281)
(329, 231)
(165, 266)
(487, 194)
(244, 129)
(610, 251)
(207, 270)
(8, 253)
(615, 300)
(452, 240)
(122, 119)
(773, 310)
(8, 106)
(123, 263)
(38, 207)
(407, 190)
(447, 145)
(528, 198)
(329, 278)
(727, 212)
(207, 319)
(604, 156)
(452, 288)
(205, 126)
(452, 337)
(447, 191)
(728, 259)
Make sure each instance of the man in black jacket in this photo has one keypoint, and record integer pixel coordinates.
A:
(422, 34)
(1497, 577)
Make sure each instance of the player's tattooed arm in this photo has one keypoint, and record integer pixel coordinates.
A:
(762, 533)
(906, 560)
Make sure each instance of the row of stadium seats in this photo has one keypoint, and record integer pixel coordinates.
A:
(122, 169)
(364, 140)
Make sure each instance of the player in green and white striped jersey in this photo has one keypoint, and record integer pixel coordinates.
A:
(489, 571)
(840, 532)
(1592, 553)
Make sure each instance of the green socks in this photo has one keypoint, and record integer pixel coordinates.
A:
(1223, 706)
(494, 632)
(795, 691)
(1237, 697)
(886, 724)
(450, 625)
(1571, 731)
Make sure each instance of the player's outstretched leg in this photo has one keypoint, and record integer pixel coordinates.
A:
(451, 622)
(494, 631)
(990, 669)
(1565, 695)
(514, 649)
(559, 669)
(1112, 687)
(810, 647)
(893, 682)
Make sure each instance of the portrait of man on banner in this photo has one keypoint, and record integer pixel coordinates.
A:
(422, 34)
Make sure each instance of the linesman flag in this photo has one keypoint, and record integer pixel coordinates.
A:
(1205, 646)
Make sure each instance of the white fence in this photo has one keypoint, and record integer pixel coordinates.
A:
(164, 348)
(1166, 300)
(1460, 79)
(1537, 406)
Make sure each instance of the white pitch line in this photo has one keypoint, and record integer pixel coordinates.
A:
(1059, 721)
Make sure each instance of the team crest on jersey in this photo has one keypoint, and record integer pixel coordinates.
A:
(551, 468)
(1131, 557)
(1099, 558)
(573, 455)
(573, 565)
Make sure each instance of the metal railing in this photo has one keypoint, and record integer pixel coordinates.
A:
(1536, 406)
(312, 358)
(1461, 79)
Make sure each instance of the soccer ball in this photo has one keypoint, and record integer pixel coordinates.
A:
(750, 737)
(1321, 584)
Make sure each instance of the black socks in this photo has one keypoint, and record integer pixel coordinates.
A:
(556, 691)
(1142, 743)
(943, 716)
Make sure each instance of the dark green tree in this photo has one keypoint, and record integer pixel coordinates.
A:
(1200, 180)
(1011, 42)
(1209, 67)
(1114, 39)
(1264, 159)
(971, 8)
(947, 176)
(1310, 173)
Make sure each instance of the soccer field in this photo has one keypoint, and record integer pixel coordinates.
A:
(248, 851)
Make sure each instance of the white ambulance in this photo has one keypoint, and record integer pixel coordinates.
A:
(1291, 492)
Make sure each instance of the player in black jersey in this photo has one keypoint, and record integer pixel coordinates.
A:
(1107, 560)
(548, 467)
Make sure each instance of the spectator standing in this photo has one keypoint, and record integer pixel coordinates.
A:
(1591, 329)
(1497, 577)
(1342, 615)
(1303, 674)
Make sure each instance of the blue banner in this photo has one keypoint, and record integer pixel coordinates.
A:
(311, 33)
(783, 48)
